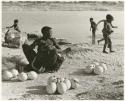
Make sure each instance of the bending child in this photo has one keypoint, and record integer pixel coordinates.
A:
(107, 30)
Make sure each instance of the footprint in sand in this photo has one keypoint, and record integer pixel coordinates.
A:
(101, 80)
(118, 84)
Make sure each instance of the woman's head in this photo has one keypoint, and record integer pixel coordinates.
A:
(109, 18)
(46, 31)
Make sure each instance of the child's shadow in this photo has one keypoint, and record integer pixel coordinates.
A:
(37, 90)
(81, 72)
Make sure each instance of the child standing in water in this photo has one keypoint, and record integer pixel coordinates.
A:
(47, 53)
(93, 27)
(107, 30)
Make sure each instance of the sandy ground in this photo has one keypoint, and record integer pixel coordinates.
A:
(106, 86)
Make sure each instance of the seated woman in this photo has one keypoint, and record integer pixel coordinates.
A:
(46, 58)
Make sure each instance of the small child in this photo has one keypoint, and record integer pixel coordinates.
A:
(93, 27)
(107, 30)
(15, 26)
(12, 39)
(47, 53)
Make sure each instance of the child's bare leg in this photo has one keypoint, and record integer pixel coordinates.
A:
(93, 36)
(105, 44)
(110, 45)
(100, 40)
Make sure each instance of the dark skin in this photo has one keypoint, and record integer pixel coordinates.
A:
(46, 42)
(93, 27)
(93, 24)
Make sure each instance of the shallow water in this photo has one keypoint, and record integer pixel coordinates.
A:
(71, 25)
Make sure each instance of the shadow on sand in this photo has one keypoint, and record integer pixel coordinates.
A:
(81, 72)
(10, 81)
(37, 90)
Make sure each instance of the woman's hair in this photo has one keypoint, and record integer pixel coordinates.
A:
(109, 17)
(45, 30)
(16, 20)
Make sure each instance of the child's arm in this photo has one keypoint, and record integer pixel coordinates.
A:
(99, 22)
(56, 44)
(113, 26)
(10, 26)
